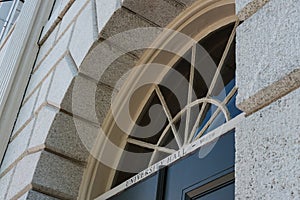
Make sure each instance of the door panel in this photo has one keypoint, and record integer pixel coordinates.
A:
(193, 170)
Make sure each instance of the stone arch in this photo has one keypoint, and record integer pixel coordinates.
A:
(130, 15)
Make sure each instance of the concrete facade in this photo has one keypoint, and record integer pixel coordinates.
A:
(267, 141)
(46, 159)
(267, 152)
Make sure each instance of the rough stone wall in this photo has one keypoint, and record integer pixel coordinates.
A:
(268, 151)
(267, 141)
(46, 159)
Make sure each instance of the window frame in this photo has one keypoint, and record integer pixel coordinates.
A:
(204, 101)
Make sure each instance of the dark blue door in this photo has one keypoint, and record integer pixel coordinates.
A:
(195, 171)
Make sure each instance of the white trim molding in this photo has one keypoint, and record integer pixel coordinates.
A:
(16, 63)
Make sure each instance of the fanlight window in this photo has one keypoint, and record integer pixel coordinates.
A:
(212, 105)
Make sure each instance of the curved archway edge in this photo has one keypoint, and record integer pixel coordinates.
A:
(185, 22)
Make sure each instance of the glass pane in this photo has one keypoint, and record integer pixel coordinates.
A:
(220, 119)
(144, 120)
(127, 161)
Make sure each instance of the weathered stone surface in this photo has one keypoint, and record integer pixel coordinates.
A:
(161, 12)
(4, 183)
(268, 152)
(80, 98)
(26, 112)
(47, 45)
(17, 146)
(246, 8)
(62, 78)
(114, 21)
(23, 174)
(43, 93)
(122, 20)
(273, 92)
(118, 71)
(240, 4)
(60, 47)
(107, 64)
(268, 47)
(43, 69)
(57, 175)
(85, 33)
(58, 7)
(103, 99)
(71, 15)
(187, 2)
(42, 126)
(71, 137)
(88, 99)
(34, 195)
(105, 9)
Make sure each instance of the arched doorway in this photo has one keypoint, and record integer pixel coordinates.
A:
(211, 25)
